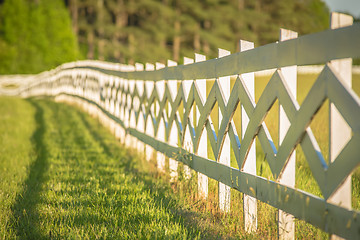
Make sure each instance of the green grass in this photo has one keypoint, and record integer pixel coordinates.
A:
(17, 126)
(64, 176)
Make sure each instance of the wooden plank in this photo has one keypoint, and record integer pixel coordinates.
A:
(127, 101)
(160, 135)
(141, 120)
(187, 142)
(173, 136)
(132, 116)
(286, 224)
(149, 127)
(340, 133)
(224, 157)
(122, 109)
(202, 150)
(249, 203)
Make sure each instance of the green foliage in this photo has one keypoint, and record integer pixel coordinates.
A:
(37, 36)
(156, 30)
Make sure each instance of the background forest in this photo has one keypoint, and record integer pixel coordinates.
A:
(36, 35)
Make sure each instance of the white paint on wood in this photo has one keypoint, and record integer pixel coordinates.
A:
(131, 105)
(160, 135)
(224, 158)
(173, 136)
(187, 142)
(127, 101)
(149, 127)
(340, 132)
(286, 224)
(141, 123)
(249, 203)
(200, 85)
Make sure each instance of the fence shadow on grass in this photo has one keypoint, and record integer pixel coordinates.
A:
(160, 191)
(24, 209)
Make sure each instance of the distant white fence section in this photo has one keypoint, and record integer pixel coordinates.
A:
(165, 111)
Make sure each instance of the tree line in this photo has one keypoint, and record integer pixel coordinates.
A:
(35, 35)
(156, 30)
(40, 34)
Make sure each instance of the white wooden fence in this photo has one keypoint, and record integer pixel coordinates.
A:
(142, 107)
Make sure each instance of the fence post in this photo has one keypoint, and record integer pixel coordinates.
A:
(224, 157)
(109, 109)
(200, 86)
(187, 142)
(117, 108)
(127, 113)
(149, 151)
(132, 117)
(122, 108)
(131, 114)
(140, 123)
(112, 104)
(160, 135)
(249, 203)
(339, 131)
(173, 136)
(286, 224)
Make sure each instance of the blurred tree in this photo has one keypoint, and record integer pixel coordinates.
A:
(150, 30)
(36, 36)
(154, 30)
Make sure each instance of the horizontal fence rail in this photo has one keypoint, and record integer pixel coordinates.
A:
(164, 111)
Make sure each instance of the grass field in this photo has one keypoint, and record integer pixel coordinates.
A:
(62, 175)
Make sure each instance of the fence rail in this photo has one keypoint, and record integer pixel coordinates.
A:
(152, 108)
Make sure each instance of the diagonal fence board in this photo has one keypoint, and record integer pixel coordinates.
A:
(158, 115)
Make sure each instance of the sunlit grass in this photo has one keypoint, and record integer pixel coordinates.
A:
(80, 183)
(17, 125)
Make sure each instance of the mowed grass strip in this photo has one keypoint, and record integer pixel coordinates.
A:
(17, 125)
(64, 176)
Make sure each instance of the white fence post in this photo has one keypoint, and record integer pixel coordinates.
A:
(132, 120)
(122, 108)
(339, 131)
(249, 203)
(131, 113)
(140, 124)
(187, 142)
(173, 136)
(286, 224)
(117, 108)
(127, 113)
(224, 158)
(200, 86)
(149, 151)
(160, 135)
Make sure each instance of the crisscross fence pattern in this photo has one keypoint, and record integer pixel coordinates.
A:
(166, 112)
